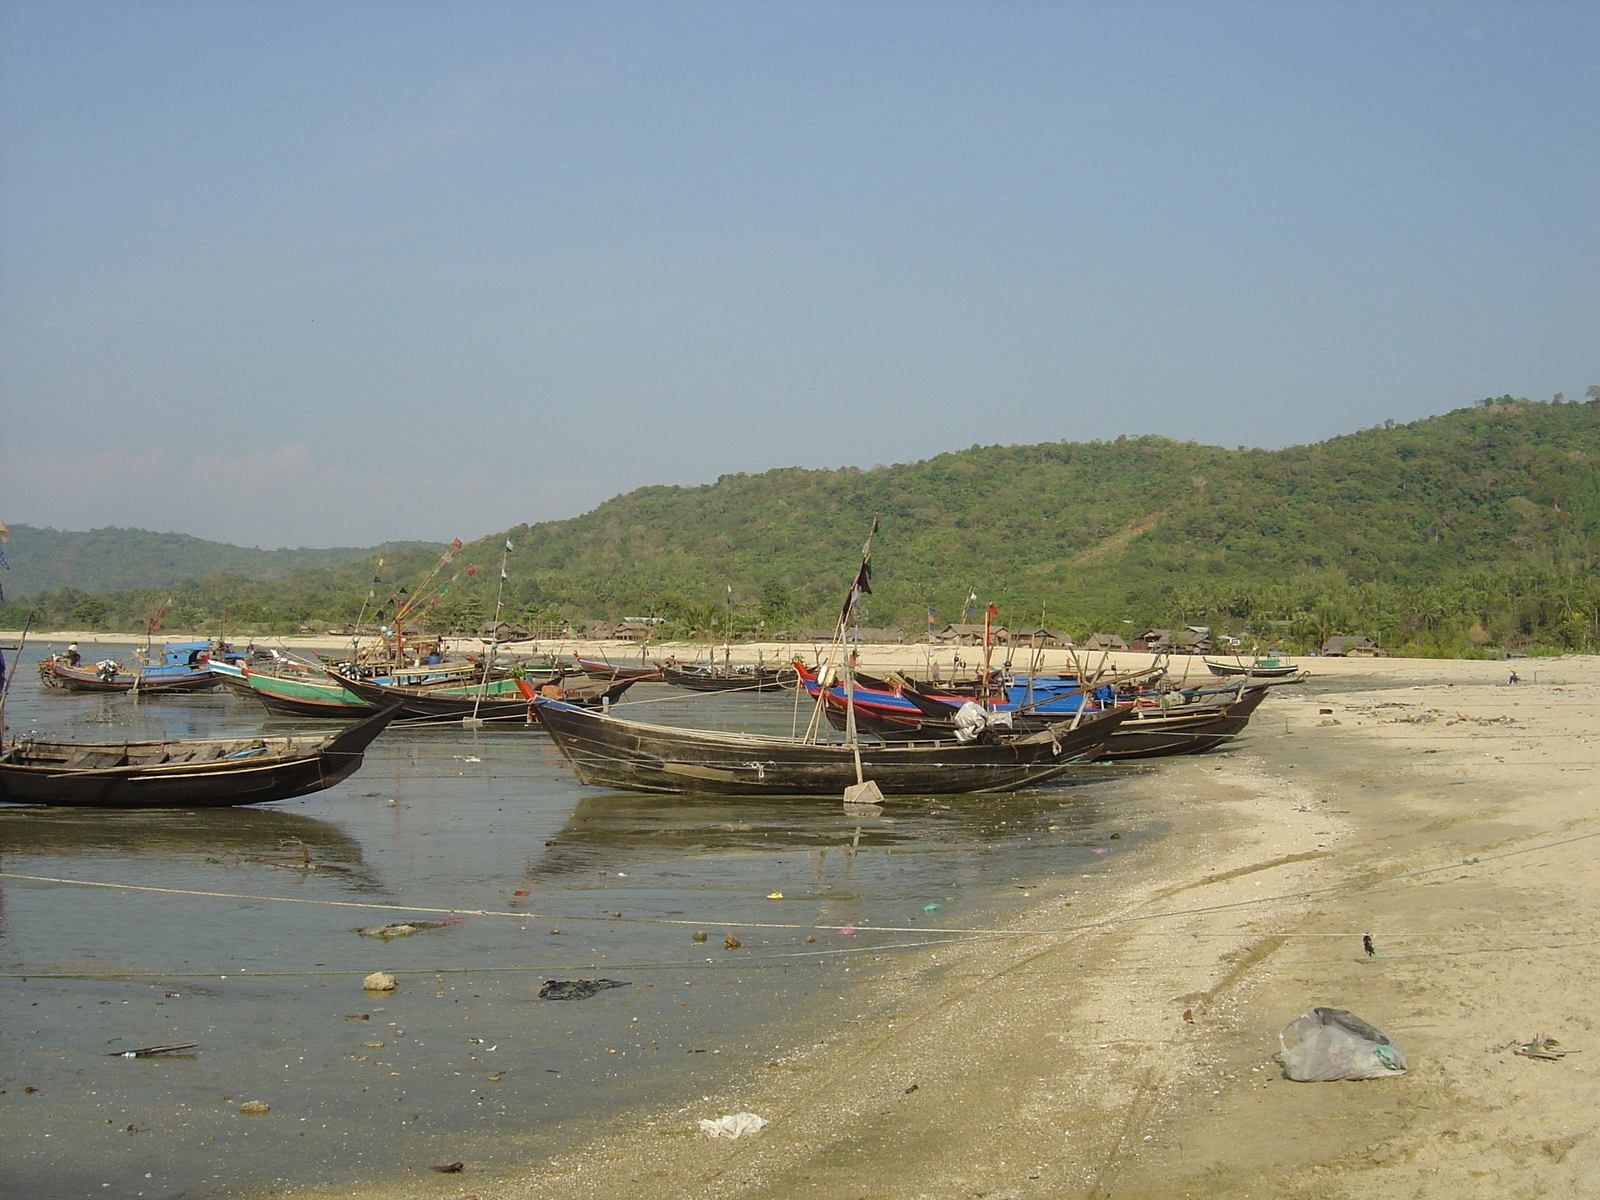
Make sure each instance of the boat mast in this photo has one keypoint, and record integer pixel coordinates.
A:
(5, 688)
(861, 584)
(494, 632)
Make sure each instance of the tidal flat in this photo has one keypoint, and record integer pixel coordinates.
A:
(237, 929)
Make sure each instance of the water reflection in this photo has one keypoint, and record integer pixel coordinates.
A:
(219, 837)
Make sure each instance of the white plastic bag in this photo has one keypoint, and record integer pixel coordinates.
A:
(734, 1125)
(1330, 1043)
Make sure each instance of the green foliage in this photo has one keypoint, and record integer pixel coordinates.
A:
(113, 559)
(1459, 533)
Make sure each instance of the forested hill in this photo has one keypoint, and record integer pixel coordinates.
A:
(1480, 526)
(113, 559)
(1144, 528)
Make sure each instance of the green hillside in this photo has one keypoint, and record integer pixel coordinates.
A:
(112, 560)
(1479, 527)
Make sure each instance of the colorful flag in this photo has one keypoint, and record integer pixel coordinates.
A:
(503, 574)
(455, 544)
(508, 546)
(3, 562)
(471, 570)
(993, 611)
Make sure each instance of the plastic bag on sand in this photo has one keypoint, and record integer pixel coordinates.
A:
(736, 1125)
(1330, 1043)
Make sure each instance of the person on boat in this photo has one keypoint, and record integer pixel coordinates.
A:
(73, 657)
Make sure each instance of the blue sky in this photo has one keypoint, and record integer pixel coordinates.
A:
(333, 273)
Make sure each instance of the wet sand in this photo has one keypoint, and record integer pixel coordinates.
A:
(1117, 1038)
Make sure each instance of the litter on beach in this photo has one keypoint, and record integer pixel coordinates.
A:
(576, 989)
(734, 1125)
(1330, 1043)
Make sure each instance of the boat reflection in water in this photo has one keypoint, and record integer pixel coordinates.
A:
(225, 836)
(614, 831)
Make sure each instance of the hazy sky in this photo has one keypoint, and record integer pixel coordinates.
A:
(338, 272)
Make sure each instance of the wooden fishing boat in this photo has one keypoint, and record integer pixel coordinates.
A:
(182, 669)
(501, 700)
(1261, 668)
(1147, 732)
(713, 679)
(296, 694)
(596, 668)
(183, 774)
(607, 752)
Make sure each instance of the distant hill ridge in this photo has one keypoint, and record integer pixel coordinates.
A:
(113, 559)
(1107, 526)
(1475, 526)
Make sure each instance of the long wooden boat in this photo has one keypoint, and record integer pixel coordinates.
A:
(596, 668)
(712, 679)
(607, 752)
(293, 695)
(1146, 733)
(183, 774)
(502, 700)
(1269, 668)
(182, 669)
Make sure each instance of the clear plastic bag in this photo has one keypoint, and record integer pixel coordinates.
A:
(1330, 1043)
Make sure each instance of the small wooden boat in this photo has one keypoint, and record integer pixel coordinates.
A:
(608, 752)
(596, 668)
(183, 774)
(1261, 668)
(182, 669)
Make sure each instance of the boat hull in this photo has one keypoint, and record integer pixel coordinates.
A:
(607, 752)
(446, 704)
(197, 774)
(148, 682)
(707, 681)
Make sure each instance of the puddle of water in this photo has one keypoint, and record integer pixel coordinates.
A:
(242, 949)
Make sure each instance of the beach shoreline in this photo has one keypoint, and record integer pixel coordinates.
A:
(1118, 1038)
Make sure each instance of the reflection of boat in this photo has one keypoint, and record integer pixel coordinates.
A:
(610, 752)
(187, 774)
(181, 833)
(182, 669)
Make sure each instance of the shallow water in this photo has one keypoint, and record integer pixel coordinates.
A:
(240, 947)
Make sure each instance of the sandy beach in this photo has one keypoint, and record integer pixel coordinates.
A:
(1119, 1039)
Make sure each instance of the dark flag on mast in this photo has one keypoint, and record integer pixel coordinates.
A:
(862, 586)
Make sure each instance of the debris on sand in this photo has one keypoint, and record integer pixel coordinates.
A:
(576, 989)
(402, 928)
